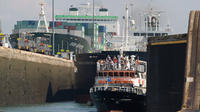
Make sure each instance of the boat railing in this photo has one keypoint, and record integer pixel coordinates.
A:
(116, 73)
(117, 63)
(138, 91)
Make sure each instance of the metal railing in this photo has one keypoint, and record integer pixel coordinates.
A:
(138, 91)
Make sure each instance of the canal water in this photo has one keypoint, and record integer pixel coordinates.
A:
(51, 107)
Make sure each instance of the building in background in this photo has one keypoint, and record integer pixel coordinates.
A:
(106, 25)
(77, 31)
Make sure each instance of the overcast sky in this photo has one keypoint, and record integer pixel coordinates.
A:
(15, 10)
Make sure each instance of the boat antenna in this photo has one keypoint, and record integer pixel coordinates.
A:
(42, 17)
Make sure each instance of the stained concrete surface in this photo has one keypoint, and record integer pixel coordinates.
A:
(25, 77)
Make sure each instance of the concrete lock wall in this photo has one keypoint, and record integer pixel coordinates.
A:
(165, 77)
(29, 78)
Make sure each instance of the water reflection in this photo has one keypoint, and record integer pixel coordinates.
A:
(51, 107)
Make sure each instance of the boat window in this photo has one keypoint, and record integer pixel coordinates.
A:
(110, 73)
(105, 73)
(132, 74)
(100, 74)
(121, 74)
(115, 74)
(127, 74)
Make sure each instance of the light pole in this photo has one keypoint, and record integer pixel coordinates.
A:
(93, 43)
(53, 27)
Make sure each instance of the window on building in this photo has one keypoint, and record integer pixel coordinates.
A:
(143, 34)
(150, 34)
(136, 34)
(158, 34)
(164, 34)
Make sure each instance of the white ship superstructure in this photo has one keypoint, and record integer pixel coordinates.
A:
(149, 25)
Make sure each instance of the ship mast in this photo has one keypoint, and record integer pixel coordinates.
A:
(42, 17)
(126, 29)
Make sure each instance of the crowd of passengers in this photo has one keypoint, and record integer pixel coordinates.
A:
(117, 63)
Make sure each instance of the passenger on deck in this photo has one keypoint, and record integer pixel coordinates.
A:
(111, 65)
(122, 63)
(102, 64)
(108, 62)
(132, 62)
(127, 63)
(98, 65)
(115, 63)
(119, 62)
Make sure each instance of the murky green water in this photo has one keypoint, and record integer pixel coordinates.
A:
(51, 107)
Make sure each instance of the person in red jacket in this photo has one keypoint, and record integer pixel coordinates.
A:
(115, 62)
